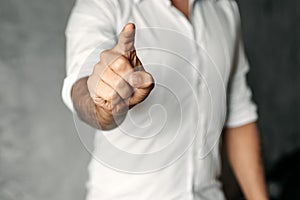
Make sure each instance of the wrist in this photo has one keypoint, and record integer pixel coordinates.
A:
(105, 118)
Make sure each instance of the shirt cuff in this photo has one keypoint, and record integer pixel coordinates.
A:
(242, 118)
(67, 87)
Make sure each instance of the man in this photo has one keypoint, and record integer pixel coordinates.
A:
(186, 56)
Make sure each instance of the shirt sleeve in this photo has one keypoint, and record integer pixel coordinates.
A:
(241, 109)
(90, 30)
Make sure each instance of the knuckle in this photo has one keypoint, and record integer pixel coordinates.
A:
(149, 81)
(97, 69)
(111, 95)
(150, 77)
(97, 66)
(124, 89)
(105, 73)
(104, 54)
(120, 63)
(121, 84)
(89, 81)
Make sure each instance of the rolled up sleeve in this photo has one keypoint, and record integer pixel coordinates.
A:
(90, 30)
(241, 108)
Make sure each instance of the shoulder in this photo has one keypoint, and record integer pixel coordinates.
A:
(228, 14)
(230, 9)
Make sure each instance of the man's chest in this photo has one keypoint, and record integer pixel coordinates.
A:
(190, 62)
(206, 40)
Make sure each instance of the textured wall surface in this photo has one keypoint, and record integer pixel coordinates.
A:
(272, 36)
(41, 156)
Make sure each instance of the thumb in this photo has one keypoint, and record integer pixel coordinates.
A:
(143, 83)
(126, 38)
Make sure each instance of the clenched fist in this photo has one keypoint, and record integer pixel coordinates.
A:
(119, 80)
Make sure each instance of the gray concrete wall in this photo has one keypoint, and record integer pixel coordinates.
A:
(41, 156)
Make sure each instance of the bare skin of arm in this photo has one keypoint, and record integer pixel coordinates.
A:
(243, 150)
(118, 83)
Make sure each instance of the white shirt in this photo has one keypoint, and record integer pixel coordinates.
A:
(167, 147)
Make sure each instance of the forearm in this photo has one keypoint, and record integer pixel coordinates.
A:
(243, 149)
(86, 109)
(118, 82)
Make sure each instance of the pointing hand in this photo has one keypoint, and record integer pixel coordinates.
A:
(119, 79)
